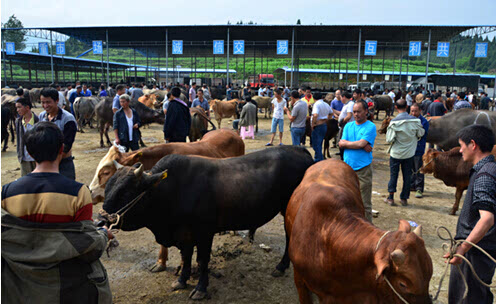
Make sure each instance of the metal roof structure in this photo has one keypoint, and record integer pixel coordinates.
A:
(184, 70)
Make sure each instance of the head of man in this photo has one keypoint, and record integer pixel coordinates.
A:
(460, 96)
(437, 96)
(338, 94)
(45, 142)
(176, 92)
(124, 100)
(415, 110)
(345, 97)
(360, 111)
(193, 85)
(200, 94)
(20, 92)
(357, 94)
(85, 87)
(295, 96)
(120, 89)
(49, 100)
(308, 92)
(69, 86)
(400, 105)
(278, 93)
(475, 141)
(78, 89)
(317, 95)
(23, 106)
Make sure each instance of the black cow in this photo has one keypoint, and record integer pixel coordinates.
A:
(201, 197)
(7, 120)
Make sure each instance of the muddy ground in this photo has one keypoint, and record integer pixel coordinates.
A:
(241, 271)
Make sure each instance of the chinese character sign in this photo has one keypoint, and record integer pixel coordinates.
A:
(10, 47)
(43, 47)
(97, 47)
(177, 47)
(238, 47)
(414, 48)
(60, 48)
(218, 47)
(443, 49)
(370, 48)
(481, 50)
(282, 47)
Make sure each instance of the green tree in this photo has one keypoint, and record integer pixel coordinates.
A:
(298, 22)
(17, 36)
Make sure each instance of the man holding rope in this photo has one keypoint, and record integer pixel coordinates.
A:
(476, 221)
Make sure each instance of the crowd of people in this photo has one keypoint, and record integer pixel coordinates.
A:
(44, 150)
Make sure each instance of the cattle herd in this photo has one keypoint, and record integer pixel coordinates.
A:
(185, 193)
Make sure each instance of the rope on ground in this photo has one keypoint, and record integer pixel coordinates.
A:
(451, 249)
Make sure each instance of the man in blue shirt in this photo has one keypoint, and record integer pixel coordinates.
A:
(116, 105)
(72, 97)
(461, 103)
(417, 177)
(337, 104)
(201, 102)
(86, 91)
(357, 141)
(103, 92)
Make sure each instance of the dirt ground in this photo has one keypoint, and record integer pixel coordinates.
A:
(240, 271)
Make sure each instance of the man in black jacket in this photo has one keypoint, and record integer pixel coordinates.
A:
(23, 123)
(177, 120)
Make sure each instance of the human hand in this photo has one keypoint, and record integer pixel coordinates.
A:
(368, 148)
(135, 126)
(342, 143)
(109, 234)
(117, 141)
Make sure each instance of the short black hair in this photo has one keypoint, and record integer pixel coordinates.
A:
(365, 106)
(346, 94)
(193, 83)
(102, 87)
(50, 92)
(401, 103)
(20, 92)
(437, 95)
(295, 94)
(248, 98)
(199, 90)
(24, 102)
(480, 134)
(44, 141)
(415, 105)
(120, 87)
(176, 92)
(358, 91)
(279, 91)
(317, 95)
(461, 95)
(308, 89)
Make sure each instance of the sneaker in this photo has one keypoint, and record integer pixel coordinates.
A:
(268, 144)
(390, 202)
(404, 202)
(419, 194)
(281, 144)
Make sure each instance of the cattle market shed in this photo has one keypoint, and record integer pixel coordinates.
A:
(329, 42)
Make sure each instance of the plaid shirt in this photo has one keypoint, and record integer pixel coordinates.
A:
(484, 193)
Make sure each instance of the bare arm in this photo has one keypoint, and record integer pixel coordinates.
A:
(114, 110)
(347, 118)
(291, 118)
(354, 145)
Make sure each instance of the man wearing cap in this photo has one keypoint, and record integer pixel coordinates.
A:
(72, 97)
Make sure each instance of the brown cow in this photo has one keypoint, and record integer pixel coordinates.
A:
(217, 144)
(148, 100)
(449, 167)
(223, 109)
(384, 125)
(340, 256)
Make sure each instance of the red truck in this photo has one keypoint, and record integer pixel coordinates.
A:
(265, 79)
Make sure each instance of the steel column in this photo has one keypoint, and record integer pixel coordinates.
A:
(135, 69)
(292, 56)
(428, 57)
(166, 57)
(4, 55)
(454, 63)
(359, 51)
(401, 65)
(51, 54)
(108, 68)
(227, 71)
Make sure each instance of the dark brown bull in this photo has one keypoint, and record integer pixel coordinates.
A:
(449, 167)
(340, 256)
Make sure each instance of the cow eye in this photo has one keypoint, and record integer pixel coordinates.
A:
(402, 284)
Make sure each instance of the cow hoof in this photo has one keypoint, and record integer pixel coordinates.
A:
(158, 268)
(277, 273)
(178, 285)
(198, 295)
(452, 212)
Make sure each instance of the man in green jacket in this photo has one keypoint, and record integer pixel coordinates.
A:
(403, 133)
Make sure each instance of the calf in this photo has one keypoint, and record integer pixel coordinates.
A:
(340, 256)
(449, 167)
(223, 109)
(84, 110)
(6, 121)
(384, 125)
(264, 103)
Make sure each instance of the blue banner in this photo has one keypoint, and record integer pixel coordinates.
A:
(443, 49)
(238, 47)
(481, 50)
(10, 48)
(60, 48)
(43, 48)
(177, 47)
(218, 47)
(370, 48)
(414, 48)
(97, 47)
(282, 47)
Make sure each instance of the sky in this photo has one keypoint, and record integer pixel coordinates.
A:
(59, 13)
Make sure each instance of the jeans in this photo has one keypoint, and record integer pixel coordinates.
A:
(296, 134)
(277, 122)
(406, 170)
(477, 293)
(417, 177)
(236, 124)
(318, 135)
(133, 145)
(67, 169)
(365, 179)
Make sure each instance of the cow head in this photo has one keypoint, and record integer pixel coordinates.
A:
(126, 185)
(109, 164)
(428, 160)
(384, 125)
(404, 261)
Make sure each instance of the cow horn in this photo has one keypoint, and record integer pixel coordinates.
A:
(117, 165)
(418, 231)
(139, 171)
(398, 256)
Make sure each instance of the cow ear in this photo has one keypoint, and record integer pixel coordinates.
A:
(155, 179)
(382, 264)
(404, 226)
(137, 156)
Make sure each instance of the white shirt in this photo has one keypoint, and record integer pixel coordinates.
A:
(260, 92)
(279, 108)
(130, 126)
(61, 100)
(470, 98)
(392, 95)
(409, 100)
(322, 109)
(344, 111)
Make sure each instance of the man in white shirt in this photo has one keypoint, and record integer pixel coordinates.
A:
(261, 91)
(278, 104)
(346, 115)
(393, 96)
(320, 115)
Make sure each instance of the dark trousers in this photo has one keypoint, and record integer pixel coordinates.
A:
(134, 145)
(477, 293)
(318, 135)
(417, 177)
(177, 139)
(406, 170)
(67, 169)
